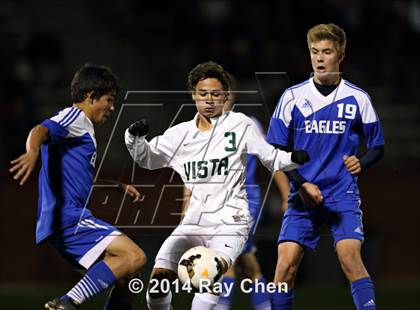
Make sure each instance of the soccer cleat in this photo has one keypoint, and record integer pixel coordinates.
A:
(57, 304)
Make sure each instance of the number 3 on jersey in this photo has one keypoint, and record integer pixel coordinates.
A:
(350, 110)
(232, 141)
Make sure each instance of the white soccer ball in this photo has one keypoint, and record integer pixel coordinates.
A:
(201, 267)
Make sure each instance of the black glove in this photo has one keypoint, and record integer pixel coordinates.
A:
(300, 157)
(139, 128)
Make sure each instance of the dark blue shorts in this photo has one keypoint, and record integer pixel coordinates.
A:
(302, 224)
(84, 243)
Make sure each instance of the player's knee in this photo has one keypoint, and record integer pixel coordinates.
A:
(133, 260)
(158, 275)
(350, 262)
(137, 260)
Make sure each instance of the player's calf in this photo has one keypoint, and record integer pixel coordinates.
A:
(290, 255)
(159, 274)
(362, 288)
(155, 297)
(348, 252)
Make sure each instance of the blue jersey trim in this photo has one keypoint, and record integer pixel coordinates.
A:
(357, 88)
(278, 109)
(276, 113)
(67, 116)
(55, 130)
(298, 85)
(72, 119)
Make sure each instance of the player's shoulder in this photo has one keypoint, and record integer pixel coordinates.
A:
(294, 91)
(178, 128)
(73, 120)
(297, 88)
(69, 116)
(356, 91)
(238, 117)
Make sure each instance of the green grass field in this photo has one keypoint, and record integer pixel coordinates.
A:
(397, 296)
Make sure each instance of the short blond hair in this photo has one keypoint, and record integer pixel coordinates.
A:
(328, 32)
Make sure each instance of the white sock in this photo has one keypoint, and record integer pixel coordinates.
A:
(204, 301)
(161, 303)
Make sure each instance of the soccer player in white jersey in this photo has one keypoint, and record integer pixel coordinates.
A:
(67, 145)
(327, 116)
(209, 153)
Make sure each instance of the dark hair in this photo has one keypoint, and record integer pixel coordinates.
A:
(98, 79)
(209, 69)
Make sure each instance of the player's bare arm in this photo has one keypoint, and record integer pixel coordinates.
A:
(25, 164)
(127, 189)
(132, 192)
(186, 199)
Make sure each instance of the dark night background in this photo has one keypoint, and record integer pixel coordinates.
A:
(152, 46)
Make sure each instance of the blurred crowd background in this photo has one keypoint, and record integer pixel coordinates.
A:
(153, 45)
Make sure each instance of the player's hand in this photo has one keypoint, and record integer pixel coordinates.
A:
(132, 192)
(352, 164)
(139, 128)
(310, 194)
(300, 157)
(24, 165)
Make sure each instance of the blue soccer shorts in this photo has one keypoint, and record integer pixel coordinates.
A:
(84, 243)
(302, 224)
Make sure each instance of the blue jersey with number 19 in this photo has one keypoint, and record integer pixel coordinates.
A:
(66, 177)
(327, 127)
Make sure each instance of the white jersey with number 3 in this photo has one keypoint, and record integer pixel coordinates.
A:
(211, 164)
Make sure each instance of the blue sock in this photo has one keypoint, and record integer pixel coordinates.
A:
(282, 301)
(96, 280)
(225, 300)
(260, 298)
(363, 293)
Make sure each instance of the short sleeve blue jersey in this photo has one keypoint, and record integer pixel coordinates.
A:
(66, 176)
(327, 127)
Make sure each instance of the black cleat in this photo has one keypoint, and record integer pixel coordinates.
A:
(57, 304)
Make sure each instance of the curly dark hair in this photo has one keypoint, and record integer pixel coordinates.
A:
(98, 79)
(209, 69)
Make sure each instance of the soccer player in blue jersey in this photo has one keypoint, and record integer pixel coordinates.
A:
(67, 146)
(327, 116)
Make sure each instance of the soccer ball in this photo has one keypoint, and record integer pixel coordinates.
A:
(200, 267)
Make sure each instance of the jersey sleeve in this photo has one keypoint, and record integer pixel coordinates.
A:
(372, 129)
(273, 159)
(278, 130)
(158, 153)
(58, 125)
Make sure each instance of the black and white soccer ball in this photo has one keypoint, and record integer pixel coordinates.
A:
(201, 266)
